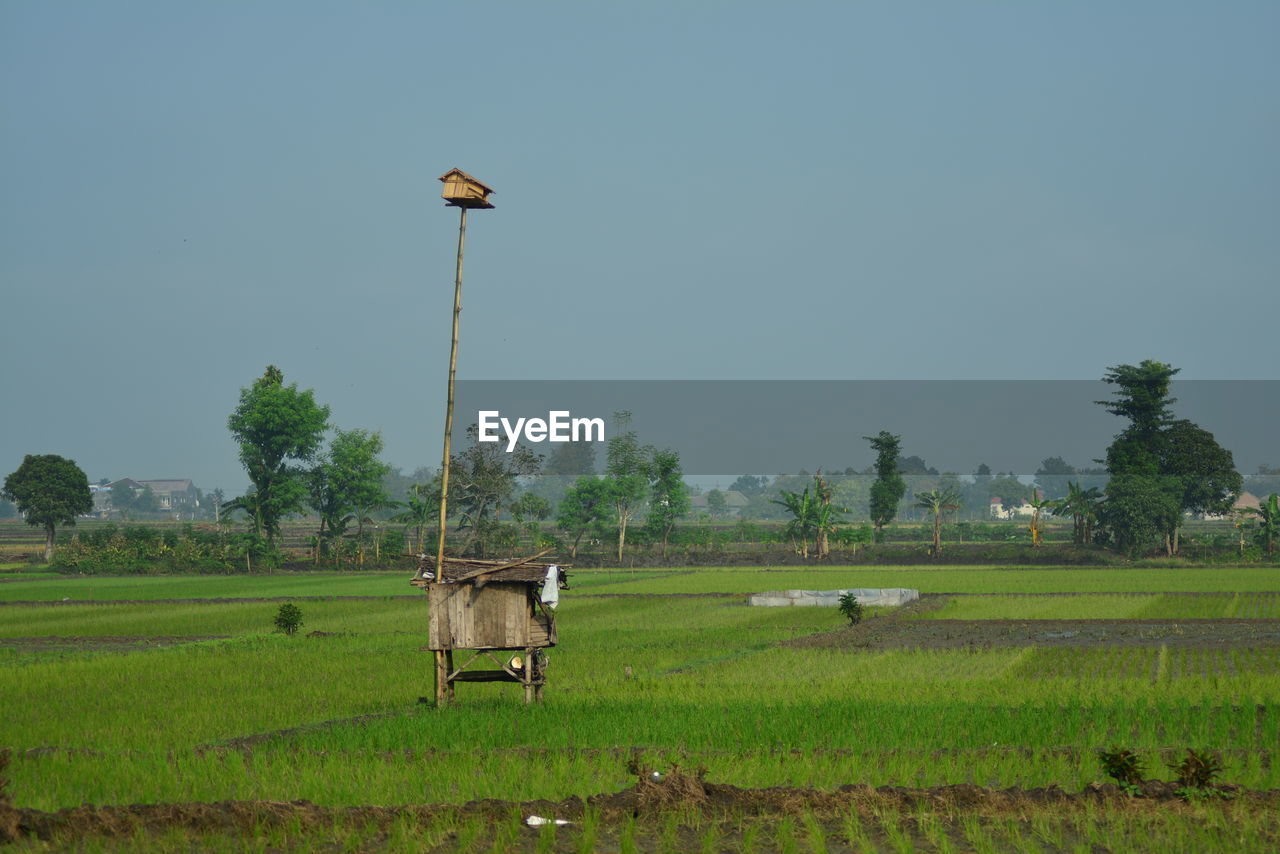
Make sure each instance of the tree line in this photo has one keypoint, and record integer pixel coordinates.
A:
(1158, 469)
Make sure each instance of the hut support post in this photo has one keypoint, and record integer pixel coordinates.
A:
(528, 674)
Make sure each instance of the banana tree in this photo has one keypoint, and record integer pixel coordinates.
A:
(422, 507)
(805, 517)
(1038, 505)
(1268, 513)
(1082, 506)
(938, 501)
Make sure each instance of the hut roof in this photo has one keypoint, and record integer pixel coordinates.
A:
(461, 569)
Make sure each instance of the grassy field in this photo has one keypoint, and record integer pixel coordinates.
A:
(149, 701)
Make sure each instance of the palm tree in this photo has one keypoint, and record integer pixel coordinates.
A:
(938, 501)
(1268, 513)
(1082, 506)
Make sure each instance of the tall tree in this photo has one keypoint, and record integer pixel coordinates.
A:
(585, 509)
(1141, 505)
(1203, 473)
(49, 491)
(345, 481)
(668, 495)
(938, 502)
(483, 477)
(889, 487)
(276, 427)
(627, 473)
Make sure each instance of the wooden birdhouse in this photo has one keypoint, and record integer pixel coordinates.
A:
(490, 607)
(463, 191)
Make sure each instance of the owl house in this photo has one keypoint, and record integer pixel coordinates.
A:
(463, 191)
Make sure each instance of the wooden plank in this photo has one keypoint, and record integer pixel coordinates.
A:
(485, 676)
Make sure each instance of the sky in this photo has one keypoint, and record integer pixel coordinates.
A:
(711, 190)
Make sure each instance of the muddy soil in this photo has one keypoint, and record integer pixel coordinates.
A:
(101, 643)
(898, 630)
(647, 799)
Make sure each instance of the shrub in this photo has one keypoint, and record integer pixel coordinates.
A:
(1124, 767)
(850, 608)
(288, 618)
(1197, 769)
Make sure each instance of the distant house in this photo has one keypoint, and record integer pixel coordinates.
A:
(175, 496)
(1021, 511)
(1246, 501)
(172, 496)
(734, 502)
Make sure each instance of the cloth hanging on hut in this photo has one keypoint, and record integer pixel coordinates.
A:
(551, 587)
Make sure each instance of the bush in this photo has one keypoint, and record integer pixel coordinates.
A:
(288, 619)
(1197, 769)
(1124, 767)
(850, 608)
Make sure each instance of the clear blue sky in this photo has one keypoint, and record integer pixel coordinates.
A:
(855, 190)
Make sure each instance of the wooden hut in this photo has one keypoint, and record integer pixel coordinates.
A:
(489, 608)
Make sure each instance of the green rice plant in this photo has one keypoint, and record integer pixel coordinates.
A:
(814, 833)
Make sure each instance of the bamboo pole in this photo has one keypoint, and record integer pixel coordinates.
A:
(442, 658)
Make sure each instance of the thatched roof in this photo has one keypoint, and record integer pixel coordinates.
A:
(463, 569)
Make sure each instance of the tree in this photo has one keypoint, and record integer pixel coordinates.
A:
(889, 487)
(803, 523)
(146, 501)
(345, 482)
(813, 517)
(1141, 505)
(276, 426)
(1203, 473)
(530, 506)
(421, 507)
(668, 495)
(217, 497)
(1052, 476)
(938, 502)
(1268, 513)
(1011, 491)
(49, 490)
(627, 473)
(482, 478)
(1082, 506)
(122, 498)
(750, 484)
(1038, 505)
(716, 503)
(585, 509)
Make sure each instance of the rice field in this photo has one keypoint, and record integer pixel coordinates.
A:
(146, 701)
